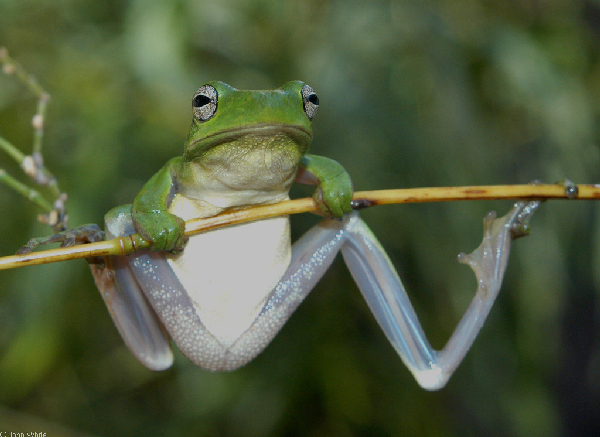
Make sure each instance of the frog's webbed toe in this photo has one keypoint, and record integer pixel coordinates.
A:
(489, 260)
(83, 234)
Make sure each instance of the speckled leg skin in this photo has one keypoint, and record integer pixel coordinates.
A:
(311, 257)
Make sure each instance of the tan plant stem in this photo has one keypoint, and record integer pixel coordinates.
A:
(361, 199)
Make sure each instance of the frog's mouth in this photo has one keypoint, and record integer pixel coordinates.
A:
(261, 158)
(297, 135)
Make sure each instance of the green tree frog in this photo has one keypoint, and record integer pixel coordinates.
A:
(224, 294)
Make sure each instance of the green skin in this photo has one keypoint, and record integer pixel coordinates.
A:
(243, 121)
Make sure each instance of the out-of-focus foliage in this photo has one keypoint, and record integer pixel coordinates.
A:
(413, 93)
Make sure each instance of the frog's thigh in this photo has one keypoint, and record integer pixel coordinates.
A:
(229, 273)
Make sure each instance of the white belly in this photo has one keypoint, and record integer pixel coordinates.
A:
(229, 273)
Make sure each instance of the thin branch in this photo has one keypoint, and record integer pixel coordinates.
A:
(25, 190)
(11, 150)
(10, 66)
(361, 199)
(33, 165)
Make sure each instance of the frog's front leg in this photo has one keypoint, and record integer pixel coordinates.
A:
(334, 191)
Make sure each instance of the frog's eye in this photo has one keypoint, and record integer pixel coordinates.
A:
(310, 101)
(205, 102)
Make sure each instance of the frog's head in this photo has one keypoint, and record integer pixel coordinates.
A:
(229, 122)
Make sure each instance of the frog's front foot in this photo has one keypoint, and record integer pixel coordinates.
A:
(80, 235)
(163, 230)
(334, 196)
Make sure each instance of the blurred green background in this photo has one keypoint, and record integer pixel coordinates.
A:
(413, 93)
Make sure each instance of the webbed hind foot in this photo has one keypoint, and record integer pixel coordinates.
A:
(90, 233)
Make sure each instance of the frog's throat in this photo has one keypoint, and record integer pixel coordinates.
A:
(299, 135)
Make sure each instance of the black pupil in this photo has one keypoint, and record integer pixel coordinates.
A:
(313, 99)
(200, 100)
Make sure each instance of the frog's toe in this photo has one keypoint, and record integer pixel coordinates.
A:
(175, 242)
(179, 245)
(83, 234)
(325, 204)
(334, 204)
(346, 202)
(171, 239)
(35, 242)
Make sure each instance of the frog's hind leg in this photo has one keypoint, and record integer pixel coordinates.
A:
(133, 316)
(311, 256)
(129, 308)
(379, 283)
(385, 294)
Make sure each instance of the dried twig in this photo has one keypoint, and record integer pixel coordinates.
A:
(361, 199)
(33, 165)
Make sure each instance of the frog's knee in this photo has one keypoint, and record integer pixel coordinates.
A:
(118, 221)
(118, 211)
